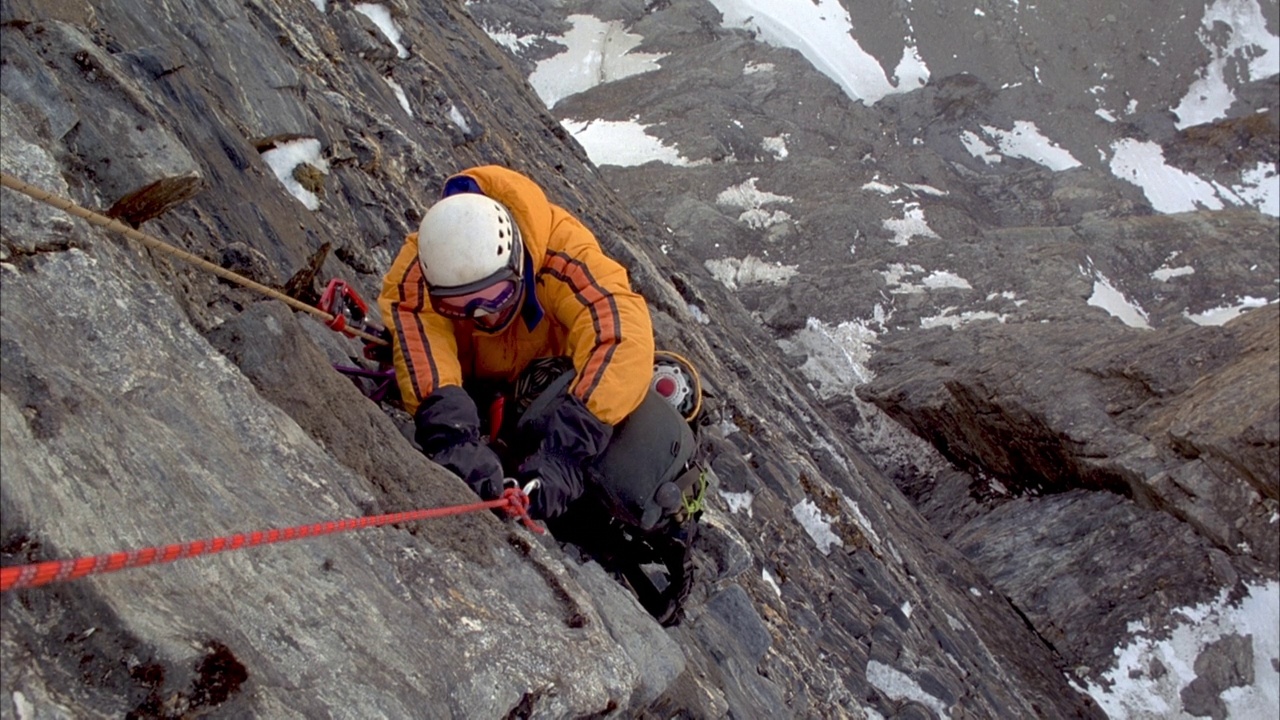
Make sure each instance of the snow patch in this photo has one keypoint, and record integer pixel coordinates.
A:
(877, 186)
(896, 272)
(911, 225)
(817, 525)
(821, 30)
(758, 219)
(946, 279)
(1106, 296)
(381, 17)
(737, 501)
(1166, 273)
(1260, 187)
(979, 148)
(863, 524)
(1137, 691)
(770, 581)
(747, 195)
(1247, 46)
(597, 52)
(946, 319)
(777, 146)
(509, 40)
(1226, 313)
(837, 355)
(698, 315)
(751, 270)
(927, 189)
(285, 157)
(624, 143)
(399, 91)
(1026, 141)
(899, 686)
(1168, 189)
(457, 118)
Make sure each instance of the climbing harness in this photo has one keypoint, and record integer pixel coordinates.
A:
(513, 503)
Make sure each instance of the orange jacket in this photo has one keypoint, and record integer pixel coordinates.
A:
(588, 312)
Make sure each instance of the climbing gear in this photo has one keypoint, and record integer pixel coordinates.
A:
(346, 306)
(466, 238)
(382, 387)
(114, 225)
(542, 380)
(650, 448)
(351, 313)
(676, 380)
(472, 257)
(656, 566)
(514, 502)
(691, 486)
(519, 497)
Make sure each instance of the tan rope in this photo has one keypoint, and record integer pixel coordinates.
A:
(68, 206)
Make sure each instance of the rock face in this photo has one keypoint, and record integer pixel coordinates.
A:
(1181, 420)
(145, 402)
(1099, 443)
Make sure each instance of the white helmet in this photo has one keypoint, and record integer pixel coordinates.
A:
(465, 238)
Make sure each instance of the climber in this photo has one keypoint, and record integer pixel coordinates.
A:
(505, 301)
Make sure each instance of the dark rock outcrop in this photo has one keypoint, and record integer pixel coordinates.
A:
(1182, 419)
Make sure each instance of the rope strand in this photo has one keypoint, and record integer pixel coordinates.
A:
(43, 573)
(114, 225)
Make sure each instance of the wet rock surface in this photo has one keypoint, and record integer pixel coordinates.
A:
(146, 402)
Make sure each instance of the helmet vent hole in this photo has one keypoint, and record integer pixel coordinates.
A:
(501, 249)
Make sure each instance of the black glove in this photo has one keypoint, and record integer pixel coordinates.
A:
(571, 437)
(448, 429)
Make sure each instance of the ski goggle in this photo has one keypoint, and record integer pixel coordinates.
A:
(487, 296)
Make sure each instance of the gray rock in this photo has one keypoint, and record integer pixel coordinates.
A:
(49, 228)
(139, 167)
(148, 416)
(658, 659)
(1223, 664)
(1082, 565)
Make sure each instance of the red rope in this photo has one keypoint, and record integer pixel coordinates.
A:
(42, 573)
